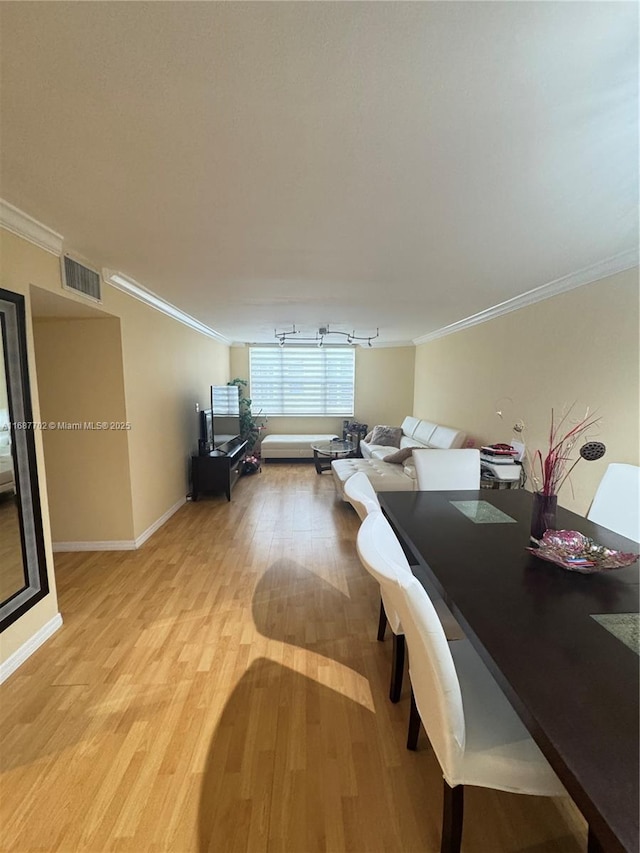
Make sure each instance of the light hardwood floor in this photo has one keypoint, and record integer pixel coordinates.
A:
(221, 689)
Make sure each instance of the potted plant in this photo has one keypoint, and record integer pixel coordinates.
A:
(550, 471)
(250, 426)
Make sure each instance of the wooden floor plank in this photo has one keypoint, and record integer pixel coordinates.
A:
(221, 689)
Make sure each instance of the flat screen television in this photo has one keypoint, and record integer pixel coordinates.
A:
(205, 443)
(221, 423)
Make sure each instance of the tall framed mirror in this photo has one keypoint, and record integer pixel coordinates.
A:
(23, 570)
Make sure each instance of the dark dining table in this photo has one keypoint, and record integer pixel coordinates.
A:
(571, 677)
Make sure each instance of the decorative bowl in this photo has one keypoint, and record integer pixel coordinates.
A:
(577, 553)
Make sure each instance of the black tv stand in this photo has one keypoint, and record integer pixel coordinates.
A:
(218, 470)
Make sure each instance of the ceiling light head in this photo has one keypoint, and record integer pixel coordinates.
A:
(320, 335)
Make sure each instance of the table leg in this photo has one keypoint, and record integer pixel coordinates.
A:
(593, 845)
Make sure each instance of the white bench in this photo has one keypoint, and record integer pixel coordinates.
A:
(291, 446)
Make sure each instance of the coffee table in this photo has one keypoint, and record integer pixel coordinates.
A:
(326, 451)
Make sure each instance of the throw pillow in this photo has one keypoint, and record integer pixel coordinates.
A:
(388, 436)
(400, 456)
(367, 437)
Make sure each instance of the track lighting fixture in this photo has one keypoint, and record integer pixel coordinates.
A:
(318, 338)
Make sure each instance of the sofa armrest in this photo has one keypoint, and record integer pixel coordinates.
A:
(365, 449)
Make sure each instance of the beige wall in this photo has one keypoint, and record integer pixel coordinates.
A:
(139, 367)
(383, 392)
(581, 346)
(80, 380)
(166, 369)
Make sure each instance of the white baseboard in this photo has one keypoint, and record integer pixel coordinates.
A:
(120, 544)
(108, 545)
(27, 649)
(140, 540)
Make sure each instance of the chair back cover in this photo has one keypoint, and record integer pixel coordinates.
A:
(444, 470)
(616, 504)
(382, 556)
(433, 675)
(361, 494)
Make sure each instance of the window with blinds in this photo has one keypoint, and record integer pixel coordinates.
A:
(225, 399)
(301, 380)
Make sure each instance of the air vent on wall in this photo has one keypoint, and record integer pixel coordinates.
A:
(81, 278)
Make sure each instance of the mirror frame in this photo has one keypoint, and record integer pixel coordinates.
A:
(23, 451)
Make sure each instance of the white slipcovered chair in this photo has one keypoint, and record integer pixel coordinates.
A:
(363, 498)
(388, 612)
(447, 470)
(616, 504)
(361, 495)
(476, 735)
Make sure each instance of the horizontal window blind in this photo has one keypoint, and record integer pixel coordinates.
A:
(300, 380)
(225, 399)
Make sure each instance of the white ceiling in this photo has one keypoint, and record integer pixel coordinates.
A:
(401, 165)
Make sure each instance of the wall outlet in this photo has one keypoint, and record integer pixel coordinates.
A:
(197, 407)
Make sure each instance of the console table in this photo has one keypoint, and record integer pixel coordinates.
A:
(219, 470)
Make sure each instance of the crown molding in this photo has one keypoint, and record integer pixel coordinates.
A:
(123, 282)
(615, 264)
(391, 344)
(30, 229)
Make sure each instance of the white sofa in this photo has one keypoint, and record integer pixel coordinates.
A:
(387, 476)
(416, 433)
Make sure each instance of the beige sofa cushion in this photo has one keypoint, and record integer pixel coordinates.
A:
(383, 477)
(380, 452)
(386, 436)
(399, 457)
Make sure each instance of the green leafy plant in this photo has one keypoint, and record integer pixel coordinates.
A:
(250, 425)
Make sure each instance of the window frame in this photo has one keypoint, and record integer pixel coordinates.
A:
(334, 387)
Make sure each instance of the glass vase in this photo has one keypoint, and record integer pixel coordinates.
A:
(543, 515)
